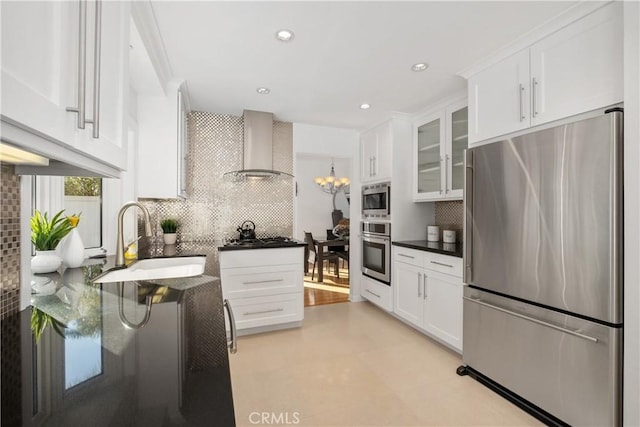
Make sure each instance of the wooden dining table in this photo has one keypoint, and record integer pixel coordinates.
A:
(321, 245)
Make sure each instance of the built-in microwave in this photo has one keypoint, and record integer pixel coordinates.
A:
(376, 200)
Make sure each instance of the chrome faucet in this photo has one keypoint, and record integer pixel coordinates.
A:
(120, 249)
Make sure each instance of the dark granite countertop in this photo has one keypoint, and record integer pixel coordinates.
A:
(453, 249)
(97, 362)
(291, 244)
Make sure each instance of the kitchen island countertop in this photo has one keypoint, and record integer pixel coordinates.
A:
(101, 360)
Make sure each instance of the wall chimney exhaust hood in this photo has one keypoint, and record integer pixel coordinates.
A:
(258, 148)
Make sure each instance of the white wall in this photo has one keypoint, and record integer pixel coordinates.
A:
(314, 206)
(314, 146)
(631, 378)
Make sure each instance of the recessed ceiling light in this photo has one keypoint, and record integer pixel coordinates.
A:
(420, 66)
(365, 106)
(263, 90)
(285, 35)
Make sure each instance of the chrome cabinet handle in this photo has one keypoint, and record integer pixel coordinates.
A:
(419, 285)
(521, 102)
(82, 68)
(441, 159)
(531, 319)
(263, 281)
(467, 231)
(82, 65)
(534, 98)
(424, 286)
(275, 310)
(375, 166)
(233, 345)
(446, 173)
(97, 50)
(406, 256)
(442, 264)
(372, 293)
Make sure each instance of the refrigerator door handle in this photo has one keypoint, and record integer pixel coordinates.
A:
(467, 231)
(534, 320)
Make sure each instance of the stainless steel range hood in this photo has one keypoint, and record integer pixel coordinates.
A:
(258, 147)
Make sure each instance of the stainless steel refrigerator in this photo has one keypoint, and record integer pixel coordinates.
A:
(543, 264)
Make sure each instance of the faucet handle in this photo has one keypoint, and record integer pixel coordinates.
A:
(131, 243)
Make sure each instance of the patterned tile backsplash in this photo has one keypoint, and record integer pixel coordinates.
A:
(10, 241)
(449, 216)
(216, 206)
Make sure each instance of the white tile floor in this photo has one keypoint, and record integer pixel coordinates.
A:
(353, 365)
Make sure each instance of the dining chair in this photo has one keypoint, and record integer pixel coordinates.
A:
(338, 250)
(313, 253)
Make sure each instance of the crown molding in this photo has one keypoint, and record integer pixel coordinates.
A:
(552, 25)
(145, 21)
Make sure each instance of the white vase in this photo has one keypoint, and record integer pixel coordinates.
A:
(45, 262)
(71, 249)
(170, 238)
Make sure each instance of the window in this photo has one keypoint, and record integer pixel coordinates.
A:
(83, 196)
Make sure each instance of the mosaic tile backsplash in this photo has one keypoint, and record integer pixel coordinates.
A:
(449, 216)
(216, 206)
(10, 241)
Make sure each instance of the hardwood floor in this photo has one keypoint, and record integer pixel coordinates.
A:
(330, 291)
(314, 297)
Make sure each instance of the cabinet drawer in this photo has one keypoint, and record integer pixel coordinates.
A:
(443, 263)
(269, 310)
(378, 293)
(257, 257)
(261, 281)
(409, 256)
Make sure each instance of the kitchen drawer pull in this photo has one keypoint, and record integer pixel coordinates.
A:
(249, 313)
(233, 345)
(531, 319)
(373, 293)
(442, 264)
(263, 281)
(406, 256)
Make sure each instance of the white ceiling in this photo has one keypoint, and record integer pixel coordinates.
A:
(343, 54)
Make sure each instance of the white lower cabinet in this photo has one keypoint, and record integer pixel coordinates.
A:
(426, 298)
(264, 286)
(377, 292)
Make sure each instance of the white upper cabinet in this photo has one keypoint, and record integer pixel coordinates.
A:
(579, 68)
(439, 140)
(162, 143)
(376, 151)
(498, 98)
(42, 55)
(576, 69)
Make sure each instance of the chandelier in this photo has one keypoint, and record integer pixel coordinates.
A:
(332, 185)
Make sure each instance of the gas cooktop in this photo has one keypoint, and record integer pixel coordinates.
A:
(267, 242)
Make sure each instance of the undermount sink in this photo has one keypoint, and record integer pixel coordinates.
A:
(155, 268)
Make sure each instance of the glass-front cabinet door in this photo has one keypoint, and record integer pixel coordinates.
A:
(439, 143)
(429, 138)
(459, 129)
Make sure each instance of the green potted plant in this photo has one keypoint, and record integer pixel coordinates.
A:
(45, 236)
(169, 227)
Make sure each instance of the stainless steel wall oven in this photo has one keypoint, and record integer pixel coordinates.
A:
(376, 250)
